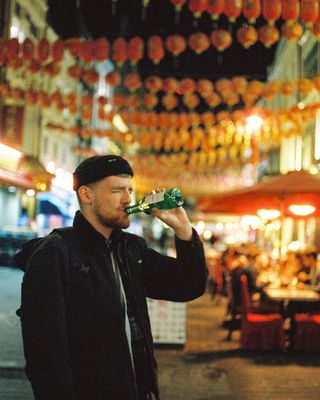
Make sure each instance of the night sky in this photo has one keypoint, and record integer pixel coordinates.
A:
(95, 19)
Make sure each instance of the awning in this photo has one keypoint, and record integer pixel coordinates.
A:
(27, 173)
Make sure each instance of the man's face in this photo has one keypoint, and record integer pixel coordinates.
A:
(110, 197)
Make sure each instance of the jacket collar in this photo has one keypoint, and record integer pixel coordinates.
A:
(91, 235)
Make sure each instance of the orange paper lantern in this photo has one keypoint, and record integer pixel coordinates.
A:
(132, 82)
(268, 35)
(12, 49)
(247, 36)
(153, 84)
(176, 44)
(221, 39)
(232, 9)
(101, 49)
(191, 100)
(316, 30)
(205, 87)
(288, 88)
(150, 100)
(290, 10)
(43, 50)
(113, 78)
(240, 84)
(155, 49)
(305, 86)
(119, 51)
(309, 12)
(292, 32)
(271, 11)
(252, 10)
(135, 50)
(197, 7)
(199, 42)
(215, 8)
(188, 85)
(170, 85)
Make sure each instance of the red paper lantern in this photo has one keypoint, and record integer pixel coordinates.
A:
(150, 100)
(208, 118)
(13, 49)
(271, 11)
(27, 49)
(155, 49)
(57, 50)
(252, 10)
(135, 50)
(119, 100)
(51, 69)
(73, 45)
(199, 42)
(153, 84)
(215, 8)
(213, 100)
(132, 82)
(247, 36)
(90, 76)
(87, 50)
(75, 71)
(232, 9)
(176, 44)
(240, 84)
(188, 85)
(34, 66)
(290, 10)
(305, 86)
(221, 39)
(268, 35)
(43, 50)
(205, 87)
(197, 7)
(316, 30)
(309, 12)
(191, 100)
(119, 51)
(169, 101)
(292, 31)
(101, 49)
(133, 101)
(113, 78)
(288, 88)
(170, 85)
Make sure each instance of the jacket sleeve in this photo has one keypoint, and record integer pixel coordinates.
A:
(179, 279)
(44, 329)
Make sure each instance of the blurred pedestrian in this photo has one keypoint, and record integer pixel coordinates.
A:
(85, 324)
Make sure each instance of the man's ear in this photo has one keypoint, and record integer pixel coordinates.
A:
(85, 194)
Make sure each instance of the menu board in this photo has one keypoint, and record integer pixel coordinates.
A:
(168, 321)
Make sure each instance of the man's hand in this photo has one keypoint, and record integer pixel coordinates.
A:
(177, 219)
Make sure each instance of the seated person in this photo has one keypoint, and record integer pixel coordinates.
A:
(309, 273)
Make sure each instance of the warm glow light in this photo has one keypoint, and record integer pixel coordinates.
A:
(9, 152)
(119, 123)
(250, 221)
(268, 213)
(302, 210)
(30, 192)
(207, 235)
(51, 167)
(317, 137)
(254, 123)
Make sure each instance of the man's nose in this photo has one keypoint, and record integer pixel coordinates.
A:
(127, 197)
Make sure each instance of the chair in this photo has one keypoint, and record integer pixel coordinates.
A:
(306, 335)
(259, 331)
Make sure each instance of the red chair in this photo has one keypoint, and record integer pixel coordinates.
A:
(259, 331)
(306, 332)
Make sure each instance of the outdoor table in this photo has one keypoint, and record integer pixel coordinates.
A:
(292, 294)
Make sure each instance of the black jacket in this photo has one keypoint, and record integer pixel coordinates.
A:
(72, 324)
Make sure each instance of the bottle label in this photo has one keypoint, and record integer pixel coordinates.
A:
(154, 198)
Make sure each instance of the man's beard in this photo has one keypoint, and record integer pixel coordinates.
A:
(112, 223)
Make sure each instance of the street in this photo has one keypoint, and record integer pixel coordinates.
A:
(208, 368)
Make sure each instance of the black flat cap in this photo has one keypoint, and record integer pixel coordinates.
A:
(98, 167)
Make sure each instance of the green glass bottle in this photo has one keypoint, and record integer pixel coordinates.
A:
(164, 200)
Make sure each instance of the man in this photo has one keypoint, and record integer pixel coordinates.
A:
(85, 324)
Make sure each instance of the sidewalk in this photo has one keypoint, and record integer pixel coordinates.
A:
(208, 368)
